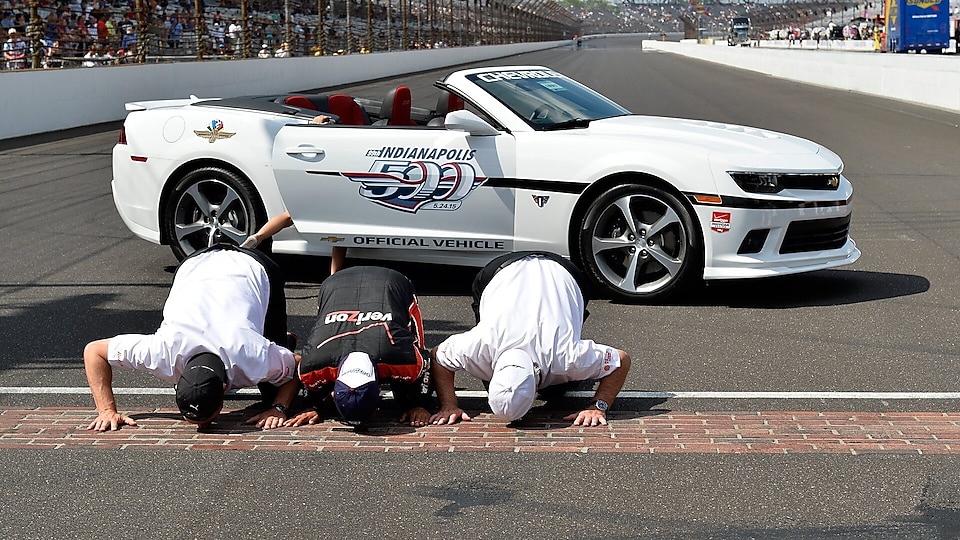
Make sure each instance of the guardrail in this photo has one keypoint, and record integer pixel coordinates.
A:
(50, 100)
(925, 79)
(40, 101)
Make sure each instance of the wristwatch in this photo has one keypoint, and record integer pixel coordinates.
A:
(600, 405)
(280, 407)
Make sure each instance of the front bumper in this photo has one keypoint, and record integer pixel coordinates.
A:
(747, 243)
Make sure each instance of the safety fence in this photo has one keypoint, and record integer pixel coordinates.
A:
(55, 35)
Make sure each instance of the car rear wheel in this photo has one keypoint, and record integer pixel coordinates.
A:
(639, 243)
(208, 206)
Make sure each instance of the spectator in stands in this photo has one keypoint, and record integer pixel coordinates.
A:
(103, 35)
(175, 32)
(7, 22)
(264, 51)
(106, 57)
(111, 31)
(233, 35)
(92, 58)
(93, 33)
(128, 23)
(51, 26)
(130, 55)
(51, 54)
(216, 36)
(15, 50)
(129, 39)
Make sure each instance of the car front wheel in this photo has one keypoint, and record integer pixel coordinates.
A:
(208, 206)
(639, 243)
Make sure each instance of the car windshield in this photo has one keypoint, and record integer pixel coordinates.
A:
(546, 99)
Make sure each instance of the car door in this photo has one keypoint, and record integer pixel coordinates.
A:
(397, 187)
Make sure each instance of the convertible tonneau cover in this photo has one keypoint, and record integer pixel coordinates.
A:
(252, 103)
(162, 103)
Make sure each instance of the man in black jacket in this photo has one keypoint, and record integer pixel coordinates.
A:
(368, 331)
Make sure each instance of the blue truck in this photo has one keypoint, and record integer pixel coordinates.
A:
(917, 25)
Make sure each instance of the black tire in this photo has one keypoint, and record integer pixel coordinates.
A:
(211, 205)
(650, 255)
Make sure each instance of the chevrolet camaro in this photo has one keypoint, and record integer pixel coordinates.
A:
(509, 158)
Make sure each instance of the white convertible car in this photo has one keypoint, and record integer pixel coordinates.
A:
(511, 158)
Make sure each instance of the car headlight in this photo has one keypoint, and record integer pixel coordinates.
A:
(760, 182)
(757, 182)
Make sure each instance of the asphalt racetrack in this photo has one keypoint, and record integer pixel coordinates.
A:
(822, 405)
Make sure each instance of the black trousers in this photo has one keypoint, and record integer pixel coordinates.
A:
(487, 272)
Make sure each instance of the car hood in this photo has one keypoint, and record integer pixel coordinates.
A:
(713, 137)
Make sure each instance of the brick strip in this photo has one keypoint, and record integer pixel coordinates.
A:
(763, 432)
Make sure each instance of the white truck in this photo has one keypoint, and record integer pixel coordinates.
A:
(739, 33)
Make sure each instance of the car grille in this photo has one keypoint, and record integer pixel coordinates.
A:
(828, 182)
(816, 235)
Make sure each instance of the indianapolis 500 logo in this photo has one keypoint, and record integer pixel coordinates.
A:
(412, 185)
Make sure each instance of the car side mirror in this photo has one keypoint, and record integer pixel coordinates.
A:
(471, 123)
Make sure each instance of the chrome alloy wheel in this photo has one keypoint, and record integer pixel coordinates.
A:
(208, 212)
(638, 242)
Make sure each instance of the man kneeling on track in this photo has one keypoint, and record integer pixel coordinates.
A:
(530, 309)
(368, 331)
(222, 320)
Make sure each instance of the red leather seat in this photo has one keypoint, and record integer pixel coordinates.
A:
(348, 110)
(448, 102)
(395, 108)
(300, 101)
(445, 103)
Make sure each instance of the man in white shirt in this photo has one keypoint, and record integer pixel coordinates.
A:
(222, 321)
(15, 50)
(530, 310)
(233, 35)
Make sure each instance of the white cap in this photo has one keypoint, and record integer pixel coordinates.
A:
(12, 31)
(513, 387)
(356, 369)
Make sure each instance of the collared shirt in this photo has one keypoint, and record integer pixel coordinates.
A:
(217, 304)
(536, 306)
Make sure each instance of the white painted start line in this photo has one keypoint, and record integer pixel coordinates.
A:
(628, 394)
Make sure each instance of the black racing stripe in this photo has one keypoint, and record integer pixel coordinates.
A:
(553, 186)
(537, 185)
(761, 204)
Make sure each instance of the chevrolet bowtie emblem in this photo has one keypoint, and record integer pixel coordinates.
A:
(332, 239)
(214, 132)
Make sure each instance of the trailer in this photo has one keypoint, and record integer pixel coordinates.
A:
(917, 25)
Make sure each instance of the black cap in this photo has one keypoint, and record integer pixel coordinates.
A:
(200, 389)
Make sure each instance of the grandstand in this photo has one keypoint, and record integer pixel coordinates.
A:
(711, 19)
(66, 33)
